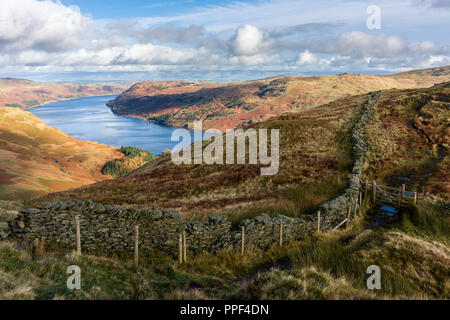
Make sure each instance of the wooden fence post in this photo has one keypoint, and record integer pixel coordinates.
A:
(366, 189)
(184, 247)
(242, 240)
(374, 191)
(318, 221)
(349, 209)
(281, 233)
(403, 192)
(136, 245)
(180, 249)
(77, 224)
(415, 197)
(360, 204)
(399, 199)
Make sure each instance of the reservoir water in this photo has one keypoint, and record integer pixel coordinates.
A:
(91, 119)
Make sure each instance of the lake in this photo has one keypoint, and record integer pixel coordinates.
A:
(91, 119)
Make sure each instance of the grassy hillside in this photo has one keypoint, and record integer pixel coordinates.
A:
(409, 140)
(26, 94)
(36, 159)
(224, 106)
(315, 156)
(412, 254)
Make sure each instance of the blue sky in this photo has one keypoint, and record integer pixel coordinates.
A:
(119, 9)
(68, 40)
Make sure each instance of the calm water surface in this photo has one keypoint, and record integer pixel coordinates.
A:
(91, 119)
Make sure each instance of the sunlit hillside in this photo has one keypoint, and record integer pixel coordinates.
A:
(229, 105)
(36, 159)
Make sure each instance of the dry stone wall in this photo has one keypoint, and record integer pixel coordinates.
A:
(335, 210)
(110, 229)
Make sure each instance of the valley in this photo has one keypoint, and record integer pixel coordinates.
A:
(36, 159)
(407, 143)
(315, 157)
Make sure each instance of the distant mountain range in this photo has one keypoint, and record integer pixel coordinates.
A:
(228, 105)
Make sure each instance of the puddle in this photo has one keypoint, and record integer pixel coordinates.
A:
(388, 211)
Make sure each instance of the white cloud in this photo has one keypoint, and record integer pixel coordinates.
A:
(289, 35)
(307, 57)
(361, 44)
(32, 57)
(423, 47)
(254, 60)
(153, 54)
(32, 24)
(248, 41)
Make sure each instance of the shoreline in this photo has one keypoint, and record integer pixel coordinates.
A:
(61, 100)
(98, 139)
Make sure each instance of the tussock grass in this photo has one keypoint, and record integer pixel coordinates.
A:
(413, 261)
(409, 140)
(302, 200)
(301, 284)
(429, 221)
(412, 253)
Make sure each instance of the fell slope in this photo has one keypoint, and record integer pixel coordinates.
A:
(409, 140)
(315, 156)
(36, 159)
(223, 106)
(26, 94)
(412, 253)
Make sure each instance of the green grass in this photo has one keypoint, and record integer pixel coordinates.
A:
(303, 200)
(427, 221)
(412, 263)
(412, 254)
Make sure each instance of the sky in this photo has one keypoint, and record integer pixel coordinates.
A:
(105, 40)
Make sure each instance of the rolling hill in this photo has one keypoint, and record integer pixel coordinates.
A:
(222, 106)
(408, 138)
(408, 144)
(26, 94)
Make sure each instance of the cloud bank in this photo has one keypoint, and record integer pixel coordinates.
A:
(47, 36)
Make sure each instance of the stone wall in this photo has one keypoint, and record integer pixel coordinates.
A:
(263, 231)
(335, 210)
(104, 228)
(108, 228)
